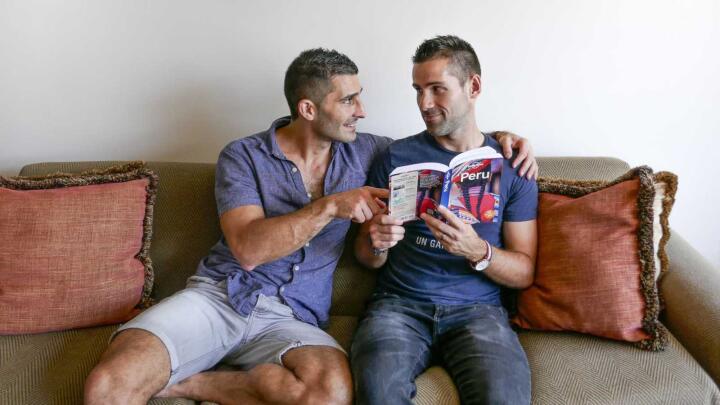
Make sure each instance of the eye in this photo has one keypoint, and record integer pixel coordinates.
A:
(348, 101)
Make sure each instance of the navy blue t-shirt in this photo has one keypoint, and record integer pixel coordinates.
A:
(418, 267)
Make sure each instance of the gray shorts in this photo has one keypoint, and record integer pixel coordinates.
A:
(200, 329)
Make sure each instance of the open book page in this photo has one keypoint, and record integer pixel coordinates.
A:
(415, 189)
(472, 185)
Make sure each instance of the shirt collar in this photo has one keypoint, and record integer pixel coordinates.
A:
(269, 144)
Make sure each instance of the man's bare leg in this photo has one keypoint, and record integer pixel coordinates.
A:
(135, 366)
(312, 375)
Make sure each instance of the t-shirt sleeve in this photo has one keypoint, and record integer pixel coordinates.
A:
(522, 200)
(235, 181)
(379, 170)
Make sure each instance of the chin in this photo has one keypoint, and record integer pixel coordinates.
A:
(350, 137)
(346, 136)
(437, 132)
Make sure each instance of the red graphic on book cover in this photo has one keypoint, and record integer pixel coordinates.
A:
(429, 190)
(475, 191)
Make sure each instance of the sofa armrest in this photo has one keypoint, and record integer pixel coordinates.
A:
(691, 289)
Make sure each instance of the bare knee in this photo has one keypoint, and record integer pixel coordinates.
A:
(101, 386)
(333, 387)
(133, 368)
(327, 382)
(311, 386)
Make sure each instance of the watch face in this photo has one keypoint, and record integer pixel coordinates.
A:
(481, 265)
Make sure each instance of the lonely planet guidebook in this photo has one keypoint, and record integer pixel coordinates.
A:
(469, 187)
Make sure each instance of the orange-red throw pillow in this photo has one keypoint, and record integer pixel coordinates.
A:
(74, 249)
(595, 270)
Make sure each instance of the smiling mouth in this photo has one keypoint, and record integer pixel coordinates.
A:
(432, 117)
(350, 125)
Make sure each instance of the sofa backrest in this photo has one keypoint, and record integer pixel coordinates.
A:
(186, 223)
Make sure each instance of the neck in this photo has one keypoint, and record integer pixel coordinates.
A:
(298, 141)
(464, 138)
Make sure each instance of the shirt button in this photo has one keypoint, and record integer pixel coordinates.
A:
(309, 195)
(307, 244)
(294, 169)
(282, 289)
(296, 268)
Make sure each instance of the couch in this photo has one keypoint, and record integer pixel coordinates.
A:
(567, 368)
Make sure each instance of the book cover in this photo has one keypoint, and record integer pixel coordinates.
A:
(469, 187)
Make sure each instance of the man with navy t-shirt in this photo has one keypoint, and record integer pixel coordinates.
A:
(438, 293)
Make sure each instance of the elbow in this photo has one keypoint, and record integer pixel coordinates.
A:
(246, 261)
(528, 280)
(247, 266)
(525, 283)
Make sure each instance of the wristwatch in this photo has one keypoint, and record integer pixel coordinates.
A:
(483, 263)
(376, 251)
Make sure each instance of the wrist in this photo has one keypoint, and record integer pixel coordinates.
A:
(479, 252)
(376, 251)
(484, 262)
(327, 209)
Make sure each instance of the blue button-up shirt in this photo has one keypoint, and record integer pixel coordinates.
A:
(254, 171)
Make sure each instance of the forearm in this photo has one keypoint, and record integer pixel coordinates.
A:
(364, 251)
(511, 269)
(272, 238)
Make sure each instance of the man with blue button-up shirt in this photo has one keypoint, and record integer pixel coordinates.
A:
(286, 197)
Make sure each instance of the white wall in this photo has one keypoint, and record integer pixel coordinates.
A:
(177, 80)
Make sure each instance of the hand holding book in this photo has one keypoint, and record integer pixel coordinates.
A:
(455, 235)
(385, 232)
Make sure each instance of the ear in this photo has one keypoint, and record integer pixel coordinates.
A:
(475, 86)
(307, 109)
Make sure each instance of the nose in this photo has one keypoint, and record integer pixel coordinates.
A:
(425, 101)
(359, 109)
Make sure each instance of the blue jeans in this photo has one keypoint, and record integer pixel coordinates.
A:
(398, 339)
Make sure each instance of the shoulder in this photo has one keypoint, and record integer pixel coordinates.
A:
(243, 145)
(408, 146)
(507, 166)
(244, 153)
(414, 149)
(410, 141)
(370, 143)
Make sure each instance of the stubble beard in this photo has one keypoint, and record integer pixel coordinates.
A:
(333, 131)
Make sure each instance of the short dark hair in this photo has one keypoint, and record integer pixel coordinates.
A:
(462, 56)
(309, 75)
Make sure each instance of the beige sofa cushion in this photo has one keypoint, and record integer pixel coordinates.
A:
(571, 368)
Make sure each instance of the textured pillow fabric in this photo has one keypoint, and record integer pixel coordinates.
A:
(74, 248)
(598, 245)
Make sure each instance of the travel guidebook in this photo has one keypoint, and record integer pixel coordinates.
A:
(469, 186)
